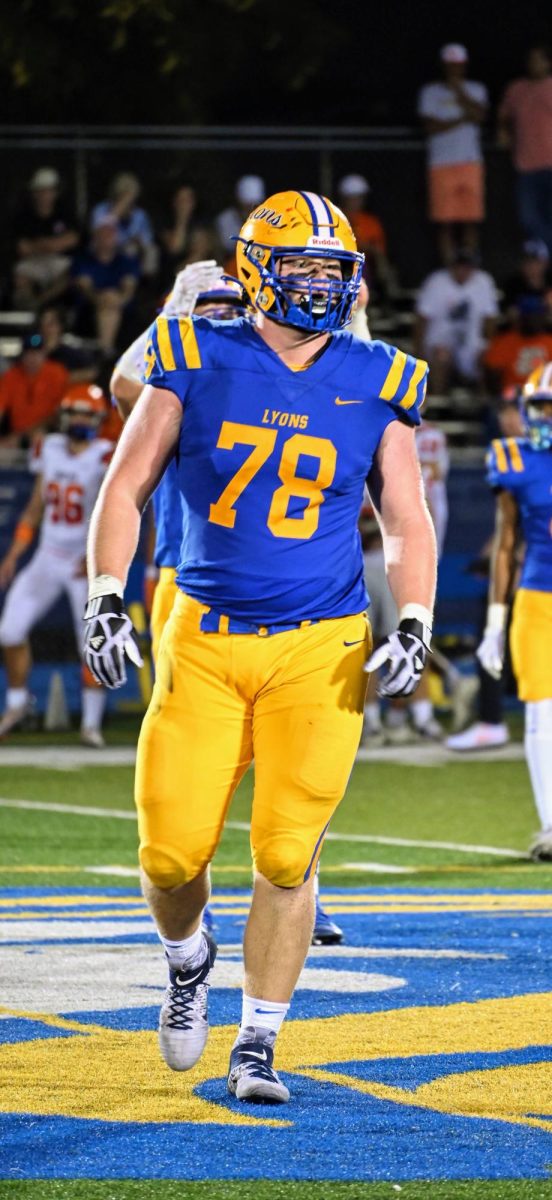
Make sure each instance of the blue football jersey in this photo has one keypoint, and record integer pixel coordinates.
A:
(167, 509)
(271, 463)
(515, 465)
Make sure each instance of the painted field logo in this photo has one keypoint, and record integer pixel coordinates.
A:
(424, 1042)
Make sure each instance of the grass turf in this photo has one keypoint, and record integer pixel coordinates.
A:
(85, 1189)
(480, 803)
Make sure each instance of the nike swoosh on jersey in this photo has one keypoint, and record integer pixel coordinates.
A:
(338, 400)
(357, 643)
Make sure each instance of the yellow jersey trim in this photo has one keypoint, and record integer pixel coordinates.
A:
(189, 343)
(514, 452)
(419, 371)
(394, 376)
(500, 455)
(164, 343)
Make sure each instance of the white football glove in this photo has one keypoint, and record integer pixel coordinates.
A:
(198, 277)
(404, 655)
(109, 635)
(490, 652)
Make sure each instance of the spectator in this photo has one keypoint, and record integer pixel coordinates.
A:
(353, 193)
(59, 346)
(531, 280)
(456, 311)
(513, 354)
(44, 237)
(106, 281)
(30, 393)
(175, 239)
(525, 123)
(134, 230)
(453, 111)
(250, 192)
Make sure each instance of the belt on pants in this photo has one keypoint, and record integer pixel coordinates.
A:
(214, 622)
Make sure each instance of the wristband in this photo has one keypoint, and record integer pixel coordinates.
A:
(24, 533)
(496, 618)
(105, 585)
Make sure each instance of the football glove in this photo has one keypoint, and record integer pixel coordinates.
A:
(403, 654)
(109, 636)
(490, 652)
(198, 277)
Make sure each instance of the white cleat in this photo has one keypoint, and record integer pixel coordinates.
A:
(430, 731)
(479, 737)
(92, 738)
(251, 1075)
(15, 716)
(183, 1025)
(541, 846)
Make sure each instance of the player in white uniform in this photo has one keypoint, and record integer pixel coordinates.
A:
(69, 468)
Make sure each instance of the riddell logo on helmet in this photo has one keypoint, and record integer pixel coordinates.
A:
(332, 243)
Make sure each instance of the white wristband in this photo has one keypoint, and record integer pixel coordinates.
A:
(105, 585)
(416, 612)
(496, 618)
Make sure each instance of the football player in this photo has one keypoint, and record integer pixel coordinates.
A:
(69, 467)
(199, 290)
(520, 471)
(275, 427)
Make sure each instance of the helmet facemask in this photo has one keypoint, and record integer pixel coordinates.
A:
(318, 305)
(538, 423)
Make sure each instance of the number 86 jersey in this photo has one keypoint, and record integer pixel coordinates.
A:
(271, 463)
(70, 485)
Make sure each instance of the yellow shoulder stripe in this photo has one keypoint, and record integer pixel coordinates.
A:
(515, 455)
(394, 376)
(189, 343)
(500, 455)
(164, 343)
(410, 397)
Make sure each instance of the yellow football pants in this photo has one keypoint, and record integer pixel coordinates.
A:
(292, 701)
(531, 644)
(163, 600)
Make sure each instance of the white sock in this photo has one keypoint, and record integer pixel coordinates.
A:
(538, 751)
(372, 716)
(422, 711)
(93, 701)
(16, 697)
(265, 1016)
(190, 951)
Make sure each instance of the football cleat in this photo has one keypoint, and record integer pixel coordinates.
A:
(13, 717)
(183, 1025)
(92, 738)
(479, 737)
(541, 846)
(325, 932)
(251, 1075)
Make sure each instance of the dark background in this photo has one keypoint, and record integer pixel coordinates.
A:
(248, 61)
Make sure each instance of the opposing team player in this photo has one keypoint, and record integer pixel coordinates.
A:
(275, 427)
(69, 468)
(520, 470)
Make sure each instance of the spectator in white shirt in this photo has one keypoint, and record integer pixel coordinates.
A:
(456, 313)
(452, 112)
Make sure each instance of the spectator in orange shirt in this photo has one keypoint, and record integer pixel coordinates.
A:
(525, 122)
(30, 393)
(353, 193)
(511, 356)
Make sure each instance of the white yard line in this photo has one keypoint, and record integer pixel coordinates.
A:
(82, 810)
(72, 758)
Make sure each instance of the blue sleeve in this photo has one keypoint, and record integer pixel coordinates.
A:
(171, 352)
(403, 384)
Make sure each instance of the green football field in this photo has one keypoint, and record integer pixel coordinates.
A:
(409, 840)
